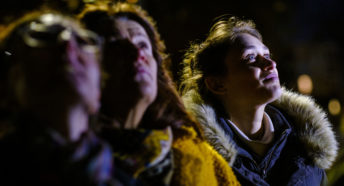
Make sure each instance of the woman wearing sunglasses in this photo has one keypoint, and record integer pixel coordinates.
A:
(52, 86)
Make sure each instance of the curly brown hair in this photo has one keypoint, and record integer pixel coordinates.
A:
(167, 109)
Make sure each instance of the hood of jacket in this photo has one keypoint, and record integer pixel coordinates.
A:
(311, 124)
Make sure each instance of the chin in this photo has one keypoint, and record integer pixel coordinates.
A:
(274, 93)
(93, 108)
(149, 93)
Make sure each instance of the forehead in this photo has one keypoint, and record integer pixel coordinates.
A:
(129, 28)
(246, 41)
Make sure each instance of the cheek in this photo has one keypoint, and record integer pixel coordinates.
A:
(94, 74)
(251, 74)
(243, 79)
(94, 80)
(155, 72)
(154, 84)
(153, 66)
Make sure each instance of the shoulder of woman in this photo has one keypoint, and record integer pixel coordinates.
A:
(311, 125)
(192, 153)
(190, 142)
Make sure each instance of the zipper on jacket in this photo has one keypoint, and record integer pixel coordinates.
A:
(268, 163)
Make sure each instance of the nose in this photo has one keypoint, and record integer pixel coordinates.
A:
(142, 57)
(267, 64)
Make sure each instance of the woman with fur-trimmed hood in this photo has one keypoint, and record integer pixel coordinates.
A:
(269, 135)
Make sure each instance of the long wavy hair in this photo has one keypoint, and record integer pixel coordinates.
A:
(167, 109)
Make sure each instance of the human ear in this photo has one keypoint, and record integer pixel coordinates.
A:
(215, 85)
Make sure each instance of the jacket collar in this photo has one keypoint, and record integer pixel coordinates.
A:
(311, 124)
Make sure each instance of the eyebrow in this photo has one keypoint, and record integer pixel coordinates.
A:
(253, 47)
(133, 31)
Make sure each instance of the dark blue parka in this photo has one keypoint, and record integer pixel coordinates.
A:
(304, 144)
(285, 163)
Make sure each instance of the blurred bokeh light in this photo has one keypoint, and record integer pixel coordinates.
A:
(334, 107)
(305, 84)
(132, 1)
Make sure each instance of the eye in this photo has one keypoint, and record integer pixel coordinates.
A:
(142, 45)
(250, 58)
(267, 56)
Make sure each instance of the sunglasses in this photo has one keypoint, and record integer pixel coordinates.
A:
(51, 30)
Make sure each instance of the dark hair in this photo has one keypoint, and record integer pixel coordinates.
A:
(167, 109)
(208, 58)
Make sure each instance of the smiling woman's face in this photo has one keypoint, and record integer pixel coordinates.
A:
(251, 75)
(145, 66)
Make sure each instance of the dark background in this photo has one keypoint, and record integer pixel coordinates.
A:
(304, 36)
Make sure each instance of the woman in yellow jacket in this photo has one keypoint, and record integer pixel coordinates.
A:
(155, 141)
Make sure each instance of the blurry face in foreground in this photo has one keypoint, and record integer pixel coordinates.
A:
(83, 62)
(145, 66)
(62, 65)
(252, 77)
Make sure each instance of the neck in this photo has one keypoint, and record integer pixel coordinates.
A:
(77, 122)
(247, 118)
(69, 121)
(134, 115)
(126, 115)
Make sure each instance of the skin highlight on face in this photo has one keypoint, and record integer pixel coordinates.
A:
(252, 76)
(86, 73)
(131, 86)
(145, 66)
(249, 84)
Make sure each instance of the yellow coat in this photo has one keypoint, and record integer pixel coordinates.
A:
(197, 163)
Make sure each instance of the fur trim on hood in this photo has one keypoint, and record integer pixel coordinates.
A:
(311, 123)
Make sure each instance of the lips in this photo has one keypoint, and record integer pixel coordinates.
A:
(142, 70)
(270, 77)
